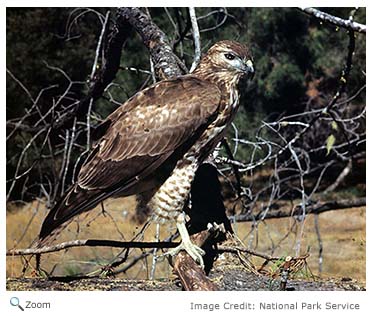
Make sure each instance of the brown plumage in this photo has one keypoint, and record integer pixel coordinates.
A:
(157, 139)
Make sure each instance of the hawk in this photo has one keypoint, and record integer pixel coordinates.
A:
(157, 139)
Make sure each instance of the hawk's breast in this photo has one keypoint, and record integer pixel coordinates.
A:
(169, 200)
(216, 131)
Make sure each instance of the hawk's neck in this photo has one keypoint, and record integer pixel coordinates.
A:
(225, 81)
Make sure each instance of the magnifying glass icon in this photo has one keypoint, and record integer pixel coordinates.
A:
(14, 301)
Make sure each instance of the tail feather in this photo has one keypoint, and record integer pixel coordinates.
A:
(76, 201)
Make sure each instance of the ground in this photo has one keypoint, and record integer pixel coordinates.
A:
(228, 279)
(342, 232)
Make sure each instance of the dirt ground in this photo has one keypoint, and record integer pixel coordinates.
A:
(226, 278)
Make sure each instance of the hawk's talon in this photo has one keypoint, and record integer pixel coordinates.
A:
(193, 251)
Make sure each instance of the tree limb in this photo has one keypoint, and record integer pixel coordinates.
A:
(347, 24)
(166, 63)
(91, 243)
(192, 276)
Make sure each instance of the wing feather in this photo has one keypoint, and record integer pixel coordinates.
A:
(160, 119)
(153, 126)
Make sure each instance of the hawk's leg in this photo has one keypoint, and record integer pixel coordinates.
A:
(193, 250)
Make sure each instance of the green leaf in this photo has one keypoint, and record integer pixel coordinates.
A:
(329, 143)
(334, 125)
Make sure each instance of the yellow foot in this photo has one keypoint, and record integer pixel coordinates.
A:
(193, 250)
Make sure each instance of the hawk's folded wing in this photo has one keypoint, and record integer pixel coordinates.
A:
(138, 138)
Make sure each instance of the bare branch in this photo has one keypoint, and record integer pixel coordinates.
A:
(319, 241)
(20, 84)
(222, 11)
(347, 24)
(91, 243)
(107, 73)
(196, 37)
(248, 251)
(347, 169)
(99, 45)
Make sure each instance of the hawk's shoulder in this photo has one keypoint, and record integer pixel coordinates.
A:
(172, 93)
(148, 128)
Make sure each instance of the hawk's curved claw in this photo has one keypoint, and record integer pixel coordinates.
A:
(193, 250)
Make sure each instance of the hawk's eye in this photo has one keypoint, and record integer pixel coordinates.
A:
(229, 56)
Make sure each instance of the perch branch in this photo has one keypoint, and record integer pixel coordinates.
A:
(91, 243)
(192, 276)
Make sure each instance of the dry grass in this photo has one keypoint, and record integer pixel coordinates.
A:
(342, 232)
(115, 225)
(343, 235)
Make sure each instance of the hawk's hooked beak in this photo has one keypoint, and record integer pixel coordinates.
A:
(249, 69)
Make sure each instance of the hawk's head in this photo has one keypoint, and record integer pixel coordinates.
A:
(228, 59)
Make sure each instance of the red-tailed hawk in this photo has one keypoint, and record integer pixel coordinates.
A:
(158, 139)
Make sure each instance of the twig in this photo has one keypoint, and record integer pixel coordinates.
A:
(98, 46)
(225, 15)
(303, 199)
(235, 167)
(154, 262)
(319, 240)
(107, 73)
(68, 156)
(21, 85)
(25, 149)
(247, 250)
(19, 123)
(347, 169)
(342, 85)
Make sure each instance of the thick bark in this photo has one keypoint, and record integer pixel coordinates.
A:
(191, 275)
(166, 64)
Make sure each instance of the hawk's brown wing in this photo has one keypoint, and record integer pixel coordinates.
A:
(139, 137)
